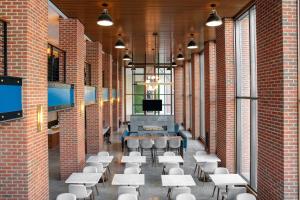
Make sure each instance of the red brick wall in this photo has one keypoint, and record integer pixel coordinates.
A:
(277, 104)
(178, 94)
(24, 150)
(226, 94)
(195, 95)
(72, 131)
(115, 103)
(94, 126)
(210, 93)
(187, 97)
(121, 96)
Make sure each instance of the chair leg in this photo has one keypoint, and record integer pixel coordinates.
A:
(196, 167)
(213, 191)
(97, 189)
(218, 193)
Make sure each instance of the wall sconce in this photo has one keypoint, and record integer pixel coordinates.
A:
(101, 103)
(118, 99)
(39, 117)
(112, 100)
(82, 107)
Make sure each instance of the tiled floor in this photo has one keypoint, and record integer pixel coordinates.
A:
(152, 189)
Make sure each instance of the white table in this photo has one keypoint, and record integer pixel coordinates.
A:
(207, 158)
(177, 180)
(128, 179)
(84, 178)
(100, 159)
(133, 159)
(170, 159)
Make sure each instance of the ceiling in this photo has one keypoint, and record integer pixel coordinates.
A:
(136, 20)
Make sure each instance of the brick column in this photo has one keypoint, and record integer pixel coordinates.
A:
(72, 131)
(108, 106)
(24, 149)
(226, 94)
(195, 95)
(115, 76)
(94, 126)
(186, 98)
(121, 93)
(210, 93)
(277, 104)
(179, 93)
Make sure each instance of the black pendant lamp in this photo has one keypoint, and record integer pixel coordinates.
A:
(126, 57)
(120, 44)
(192, 44)
(105, 19)
(214, 19)
(180, 56)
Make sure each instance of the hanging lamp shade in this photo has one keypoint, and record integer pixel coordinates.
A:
(214, 19)
(126, 57)
(192, 45)
(105, 19)
(174, 64)
(180, 56)
(120, 44)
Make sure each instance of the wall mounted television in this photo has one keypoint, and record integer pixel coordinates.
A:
(152, 105)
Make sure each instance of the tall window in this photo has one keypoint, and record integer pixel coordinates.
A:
(246, 97)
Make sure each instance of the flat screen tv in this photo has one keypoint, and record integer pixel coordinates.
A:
(152, 105)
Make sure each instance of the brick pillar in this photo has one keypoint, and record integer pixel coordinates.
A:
(277, 104)
(179, 94)
(72, 131)
(115, 77)
(24, 149)
(108, 106)
(226, 94)
(210, 93)
(186, 98)
(195, 95)
(94, 126)
(121, 94)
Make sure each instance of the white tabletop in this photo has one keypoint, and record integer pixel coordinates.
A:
(207, 158)
(128, 179)
(170, 159)
(84, 178)
(227, 179)
(100, 159)
(133, 159)
(177, 180)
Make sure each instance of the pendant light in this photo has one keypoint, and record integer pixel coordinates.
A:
(120, 44)
(214, 19)
(180, 55)
(105, 19)
(174, 64)
(192, 44)
(126, 57)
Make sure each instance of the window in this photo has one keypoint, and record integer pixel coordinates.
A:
(87, 73)
(246, 97)
(56, 64)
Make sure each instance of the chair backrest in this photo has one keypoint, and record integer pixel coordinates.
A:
(127, 197)
(160, 143)
(131, 170)
(146, 143)
(245, 196)
(221, 170)
(66, 196)
(169, 153)
(185, 196)
(200, 153)
(176, 171)
(210, 167)
(99, 166)
(103, 153)
(135, 153)
(90, 169)
(79, 190)
(171, 165)
(136, 165)
(133, 144)
(179, 190)
(174, 143)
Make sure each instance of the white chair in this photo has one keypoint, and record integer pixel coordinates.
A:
(133, 165)
(198, 165)
(169, 166)
(208, 168)
(169, 153)
(133, 144)
(176, 171)
(175, 191)
(135, 153)
(80, 191)
(105, 165)
(127, 190)
(245, 196)
(128, 197)
(66, 196)
(100, 169)
(174, 144)
(146, 144)
(185, 196)
(91, 169)
(160, 143)
(233, 192)
(131, 170)
(220, 170)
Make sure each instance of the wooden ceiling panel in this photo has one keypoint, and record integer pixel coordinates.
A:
(136, 20)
